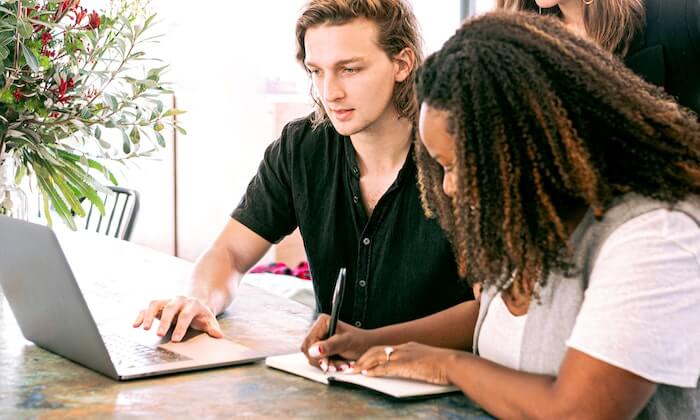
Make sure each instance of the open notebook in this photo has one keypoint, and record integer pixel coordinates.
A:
(297, 364)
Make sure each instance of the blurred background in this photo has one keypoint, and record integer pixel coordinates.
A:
(233, 70)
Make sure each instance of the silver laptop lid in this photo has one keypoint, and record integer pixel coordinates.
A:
(44, 296)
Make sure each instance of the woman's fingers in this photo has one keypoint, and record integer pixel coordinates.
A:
(372, 358)
(317, 333)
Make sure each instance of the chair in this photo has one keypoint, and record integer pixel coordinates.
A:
(121, 208)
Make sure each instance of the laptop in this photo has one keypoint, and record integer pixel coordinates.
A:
(51, 311)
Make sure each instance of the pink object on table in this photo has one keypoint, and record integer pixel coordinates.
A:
(301, 271)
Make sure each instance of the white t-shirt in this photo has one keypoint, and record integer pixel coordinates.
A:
(641, 310)
(501, 334)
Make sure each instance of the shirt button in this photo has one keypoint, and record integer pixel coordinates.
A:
(363, 283)
(358, 324)
(355, 199)
(355, 171)
(365, 241)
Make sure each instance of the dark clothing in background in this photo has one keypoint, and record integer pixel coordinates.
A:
(667, 52)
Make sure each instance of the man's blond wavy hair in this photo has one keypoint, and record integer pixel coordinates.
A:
(397, 27)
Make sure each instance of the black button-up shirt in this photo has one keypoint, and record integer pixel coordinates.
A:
(399, 264)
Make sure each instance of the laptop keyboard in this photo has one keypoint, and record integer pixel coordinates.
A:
(127, 354)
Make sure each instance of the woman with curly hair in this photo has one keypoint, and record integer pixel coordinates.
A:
(567, 186)
(657, 39)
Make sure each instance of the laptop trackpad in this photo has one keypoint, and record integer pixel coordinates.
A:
(201, 346)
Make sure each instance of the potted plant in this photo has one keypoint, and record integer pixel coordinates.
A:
(71, 79)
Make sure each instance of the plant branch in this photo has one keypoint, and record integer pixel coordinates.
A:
(12, 73)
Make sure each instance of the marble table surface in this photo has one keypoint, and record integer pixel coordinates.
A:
(117, 278)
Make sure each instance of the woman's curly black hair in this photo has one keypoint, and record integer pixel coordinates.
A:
(543, 120)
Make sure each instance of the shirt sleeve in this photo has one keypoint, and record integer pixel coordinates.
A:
(267, 207)
(641, 309)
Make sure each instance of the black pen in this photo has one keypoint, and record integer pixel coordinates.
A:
(337, 301)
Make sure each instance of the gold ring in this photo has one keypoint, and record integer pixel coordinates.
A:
(388, 350)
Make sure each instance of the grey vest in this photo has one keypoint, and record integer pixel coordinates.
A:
(549, 323)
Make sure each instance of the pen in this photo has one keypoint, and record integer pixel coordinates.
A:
(337, 300)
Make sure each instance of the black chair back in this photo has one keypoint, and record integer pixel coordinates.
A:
(121, 208)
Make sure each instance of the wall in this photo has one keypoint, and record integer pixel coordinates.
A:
(234, 71)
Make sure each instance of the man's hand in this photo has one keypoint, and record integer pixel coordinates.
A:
(188, 311)
(347, 343)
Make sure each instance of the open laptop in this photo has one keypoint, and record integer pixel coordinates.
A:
(50, 309)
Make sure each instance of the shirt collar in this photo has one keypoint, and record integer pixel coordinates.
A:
(407, 168)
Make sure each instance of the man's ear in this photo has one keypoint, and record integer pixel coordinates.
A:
(404, 62)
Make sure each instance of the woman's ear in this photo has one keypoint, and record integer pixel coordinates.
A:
(404, 62)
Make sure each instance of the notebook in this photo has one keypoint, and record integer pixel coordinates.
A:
(297, 364)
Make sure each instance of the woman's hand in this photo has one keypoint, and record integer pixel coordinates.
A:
(348, 343)
(411, 361)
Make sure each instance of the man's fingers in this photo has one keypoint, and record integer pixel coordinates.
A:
(184, 319)
(214, 329)
(170, 310)
(139, 319)
(152, 312)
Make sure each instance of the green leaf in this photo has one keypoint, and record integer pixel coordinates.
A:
(21, 171)
(148, 21)
(45, 207)
(68, 193)
(59, 205)
(44, 62)
(160, 139)
(111, 101)
(85, 189)
(181, 130)
(126, 144)
(6, 97)
(24, 28)
(98, 133)
(106, 172)
(31, 59)
(135, 136)
(4, 52)
(81, 177)
(172, 112)
(158, 126)
(154, 74)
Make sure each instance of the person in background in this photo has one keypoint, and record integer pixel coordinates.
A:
(344, 175)
(658, 39)
(569, 188)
